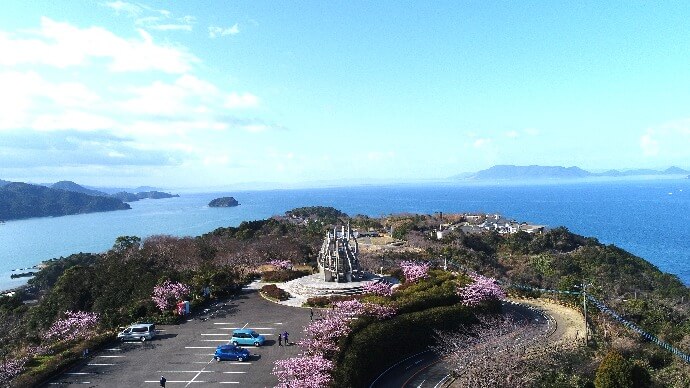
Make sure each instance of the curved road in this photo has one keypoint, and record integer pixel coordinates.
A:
(426, 369)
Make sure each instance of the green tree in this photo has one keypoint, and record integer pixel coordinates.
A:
(124, 243)
(617, 372)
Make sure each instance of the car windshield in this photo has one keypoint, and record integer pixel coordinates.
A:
(255, 334)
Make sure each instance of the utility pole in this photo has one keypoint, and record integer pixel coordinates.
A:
(584, 304)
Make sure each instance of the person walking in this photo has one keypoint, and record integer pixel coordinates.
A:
(285, 337)
(162, 381)
(311, 314)
(280, 339)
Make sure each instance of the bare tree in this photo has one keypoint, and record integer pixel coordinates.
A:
(496, 352)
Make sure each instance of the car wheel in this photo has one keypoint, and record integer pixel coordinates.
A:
(235, 343)
(143, 339)
(241, 359)
(257, 344)
(217, 359)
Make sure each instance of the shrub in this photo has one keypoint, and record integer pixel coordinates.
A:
(272, 291)
(617, 372)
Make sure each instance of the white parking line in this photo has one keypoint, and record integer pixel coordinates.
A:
(71, 382)
(187, 371)
(216, 334)
(80, 373)
(111, 356)
(175, 381)
(228, 382)
(100, 364)
(114, 350)
(238, 328)
(216, 340)
(233, 372)
(223, 323)
(199, 347)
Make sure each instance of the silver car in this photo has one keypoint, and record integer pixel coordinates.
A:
(138, 332)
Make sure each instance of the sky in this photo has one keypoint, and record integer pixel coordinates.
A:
(202, 94)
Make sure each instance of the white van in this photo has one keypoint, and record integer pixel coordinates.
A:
(138, 332)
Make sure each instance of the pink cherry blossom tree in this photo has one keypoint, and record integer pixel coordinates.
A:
(167, 294)
(11, 368)
(482, 289)
(75, 325)
(380, 288)
(414, 270)
(321, 343)
(303, 372)
(281, 264)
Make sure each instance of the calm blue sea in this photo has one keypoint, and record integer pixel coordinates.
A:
(650, 218)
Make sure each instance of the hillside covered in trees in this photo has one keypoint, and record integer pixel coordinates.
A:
(118, 285)
(22, 200)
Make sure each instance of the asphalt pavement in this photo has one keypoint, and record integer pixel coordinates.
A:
(183, 353)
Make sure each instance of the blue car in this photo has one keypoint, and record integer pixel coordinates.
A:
(230, 353)
(247, 337)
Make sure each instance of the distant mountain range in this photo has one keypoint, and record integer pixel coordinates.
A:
(122, 195)
(511, 172)
(22, 200)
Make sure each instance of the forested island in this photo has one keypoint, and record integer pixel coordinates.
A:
(118, 285)
(224, 202)
(20, 200)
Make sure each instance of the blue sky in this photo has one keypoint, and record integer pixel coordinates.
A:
(222, 93)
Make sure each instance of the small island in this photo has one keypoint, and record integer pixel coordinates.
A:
(223, 202)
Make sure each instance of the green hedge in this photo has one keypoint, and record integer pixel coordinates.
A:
(375, 346)
(282, 275)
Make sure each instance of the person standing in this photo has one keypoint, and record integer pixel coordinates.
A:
(280, 339)
(311, 314)
(285, 337)
(162, 381)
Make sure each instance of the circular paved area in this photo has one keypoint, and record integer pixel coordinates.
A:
(184, 353)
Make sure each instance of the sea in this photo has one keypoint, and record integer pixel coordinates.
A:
(647, 217)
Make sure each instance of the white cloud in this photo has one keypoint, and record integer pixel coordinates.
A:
(481, 142)
(63, 45)
(72, 119)
(512, 134)
(650, 147)
(21, 90)
(215, 31)
(244, 100)
(668, 140)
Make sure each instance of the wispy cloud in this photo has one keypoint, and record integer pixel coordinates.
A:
(215, 31)
(122, 7)
(152, 19)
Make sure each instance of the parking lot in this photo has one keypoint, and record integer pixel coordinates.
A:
(184, 353)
